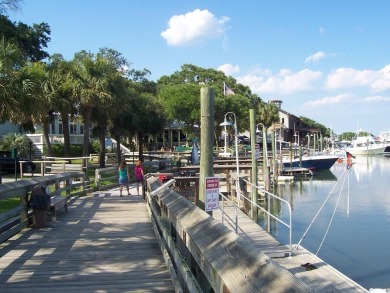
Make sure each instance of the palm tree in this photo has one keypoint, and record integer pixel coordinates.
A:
(41, 113)
(62, 88)
(13, 140)
(268, 113)
(16, 84)
(92, 91)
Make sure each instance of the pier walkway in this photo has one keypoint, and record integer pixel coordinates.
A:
(104, 243)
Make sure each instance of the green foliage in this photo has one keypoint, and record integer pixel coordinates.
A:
(182, 103)
(95, 147)
(58, 150)
(347, 136)
(31, 40)
(19, 141)
(268, 113)
(313, 124)
(8, 204)
(180, 94)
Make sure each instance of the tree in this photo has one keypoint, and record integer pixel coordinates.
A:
(148, 119)
(10, 57)
(30, 40)
(6, 5)
(313, 124)
(62, 90)
(180, 94)
(92, 83)
(268, 113)
(41, 113)
(18, 141)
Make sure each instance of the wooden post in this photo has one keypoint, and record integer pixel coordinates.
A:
(274, 156)
(252, 121)
(206, 141)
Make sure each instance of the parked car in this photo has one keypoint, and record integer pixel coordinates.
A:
(8, 163)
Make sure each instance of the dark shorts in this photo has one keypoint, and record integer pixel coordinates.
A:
(140, 179)
(123, 180)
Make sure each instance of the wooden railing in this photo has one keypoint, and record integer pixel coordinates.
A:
(18, 217)
(108, 177)
(206, 255)
(50, 165)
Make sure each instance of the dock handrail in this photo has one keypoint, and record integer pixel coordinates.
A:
(222, 208)
(268, 212)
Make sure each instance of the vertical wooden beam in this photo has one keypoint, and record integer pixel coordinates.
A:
(206, 141)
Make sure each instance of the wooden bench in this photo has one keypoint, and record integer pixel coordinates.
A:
(56, 203)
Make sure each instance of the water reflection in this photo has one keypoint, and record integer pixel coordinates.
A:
(356, 215)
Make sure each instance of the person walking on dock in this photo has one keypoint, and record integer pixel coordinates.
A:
(139, 174)
(123, 177)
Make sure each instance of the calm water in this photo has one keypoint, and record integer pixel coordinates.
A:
(357, 238)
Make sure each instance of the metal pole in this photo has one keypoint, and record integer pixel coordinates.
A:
(237, 161)
(254, 164)
(225, 149)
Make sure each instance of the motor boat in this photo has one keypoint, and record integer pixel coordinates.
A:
(366, 146)
(386, 152)
(314, 162)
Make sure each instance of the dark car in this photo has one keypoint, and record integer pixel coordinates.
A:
(8, 163)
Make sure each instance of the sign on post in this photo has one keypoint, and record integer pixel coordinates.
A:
(212, 193)
(257, 151)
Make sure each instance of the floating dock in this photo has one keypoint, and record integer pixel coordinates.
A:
(296, 172)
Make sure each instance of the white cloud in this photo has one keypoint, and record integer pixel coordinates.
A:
(315, 57)
(376, 99)
(285, 82)
(329, 101)
(322, 30)
(229, 69)
(349, 77)
(194, 27)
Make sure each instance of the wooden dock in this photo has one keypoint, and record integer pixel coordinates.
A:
(104, 243)
(323, 278)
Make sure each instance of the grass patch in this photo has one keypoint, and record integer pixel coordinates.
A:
(9, 203)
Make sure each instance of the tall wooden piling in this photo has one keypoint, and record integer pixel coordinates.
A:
(206, 141)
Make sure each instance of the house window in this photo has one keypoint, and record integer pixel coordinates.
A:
(81, 129)
(60, 130)
(73, 129)
(283, 120)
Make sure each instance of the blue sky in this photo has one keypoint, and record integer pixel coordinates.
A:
(326, 60)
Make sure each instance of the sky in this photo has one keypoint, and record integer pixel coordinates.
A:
(327, 60)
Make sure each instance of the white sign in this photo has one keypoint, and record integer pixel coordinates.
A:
(212, 193)
(257, 151)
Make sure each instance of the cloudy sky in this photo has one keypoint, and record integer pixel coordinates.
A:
(326, 60)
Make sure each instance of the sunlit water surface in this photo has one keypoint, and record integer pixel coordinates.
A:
(354, 223)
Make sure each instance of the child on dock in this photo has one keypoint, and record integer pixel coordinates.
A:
(139, 174)
(123, 177)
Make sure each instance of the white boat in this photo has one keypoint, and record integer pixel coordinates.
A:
(314, 162)
(366, 146)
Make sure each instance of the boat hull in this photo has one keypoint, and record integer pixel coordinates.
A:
(313, 163)
(386, 152)
(364, 151)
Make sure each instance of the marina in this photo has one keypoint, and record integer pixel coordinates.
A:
(351, 232)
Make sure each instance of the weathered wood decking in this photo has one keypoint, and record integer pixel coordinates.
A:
(104, 243)
(324, 278)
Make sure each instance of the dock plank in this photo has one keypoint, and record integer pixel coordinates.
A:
(105, 243)
(324, 278)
